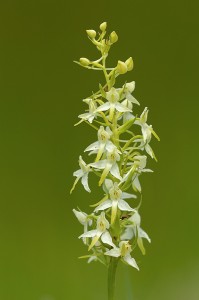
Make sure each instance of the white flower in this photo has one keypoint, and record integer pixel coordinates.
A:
(113, 97)
(123, 251)
(100, 232)
(116, 201)
(138, 165)
(134, 230)
(84, 220)
(83, 174)
(92, 111)
(108, 165)
(103, 143)
(128, 89)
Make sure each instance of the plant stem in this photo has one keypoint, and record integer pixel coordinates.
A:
(111, 277)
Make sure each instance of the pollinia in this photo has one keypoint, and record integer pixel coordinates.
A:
(119, 157)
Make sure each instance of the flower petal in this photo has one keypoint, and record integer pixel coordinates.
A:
(79, 173)
(128, 196)
(99, 165)
(113, 252)
(89, 234)
(110, 146)
(130, 261)
(104, 205)
(143, 234)
(84, 181)
(93, 146)
(106, 239)
(121, 108)
(128, 234)
(103, 107)
(136, 184)
(115, 171)
(124, 206)
(80, 216)
(132, 99)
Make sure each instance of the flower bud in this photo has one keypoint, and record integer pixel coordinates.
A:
(103, 26)
(129, 64)
(121, 67)
(91, 33)
(84, 61)
(113, 37)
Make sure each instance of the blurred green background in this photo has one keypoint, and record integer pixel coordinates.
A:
(40, 98)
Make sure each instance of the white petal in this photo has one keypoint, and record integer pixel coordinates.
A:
(106, 239)
(80, 216)
(124, 206)
(104, 205)
(90, 119)
(128, 234)
(136, 184)
(89, 234)
(84, 181)
(149, 150)
(115, 171)
(84, 116)
(132, 99)
(107, 185)
(121, 108)
(99, 165)
(92, 258)
(130, 261)
(147, 171)
(110, 146)
(143, 234)
(93, 146)
(103, 107)
(79, 173)
(128, 196)
(113, 252)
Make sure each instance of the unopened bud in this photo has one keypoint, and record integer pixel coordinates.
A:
(91, 33)
(113, 37)
(129, 64)
(84, 61)
(121, 67)
(103, 26)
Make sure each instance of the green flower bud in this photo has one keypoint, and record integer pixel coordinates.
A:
(129, 64)
(113, 37)
(84, 61)
(91, 33)
(103, 26)
(121, 67)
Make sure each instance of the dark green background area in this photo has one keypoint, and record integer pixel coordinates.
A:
(40, 98)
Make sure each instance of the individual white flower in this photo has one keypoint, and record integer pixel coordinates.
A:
(83, 174)
(113, 97)
(108, 165)
(100, 232)
(127, 115)
(123, 251)
(103, 144)
(116, 201)
(138, 166)
(147, 132)
(92, 111)
(127, 90)
(134, 230)
(84, 220)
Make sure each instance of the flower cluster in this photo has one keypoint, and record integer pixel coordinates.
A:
(119, 155)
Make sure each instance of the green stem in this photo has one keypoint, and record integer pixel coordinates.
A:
(111, 277)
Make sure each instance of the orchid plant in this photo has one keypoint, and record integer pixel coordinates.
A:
(119, 157)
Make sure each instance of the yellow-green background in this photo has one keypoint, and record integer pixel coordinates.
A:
(40, 98)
